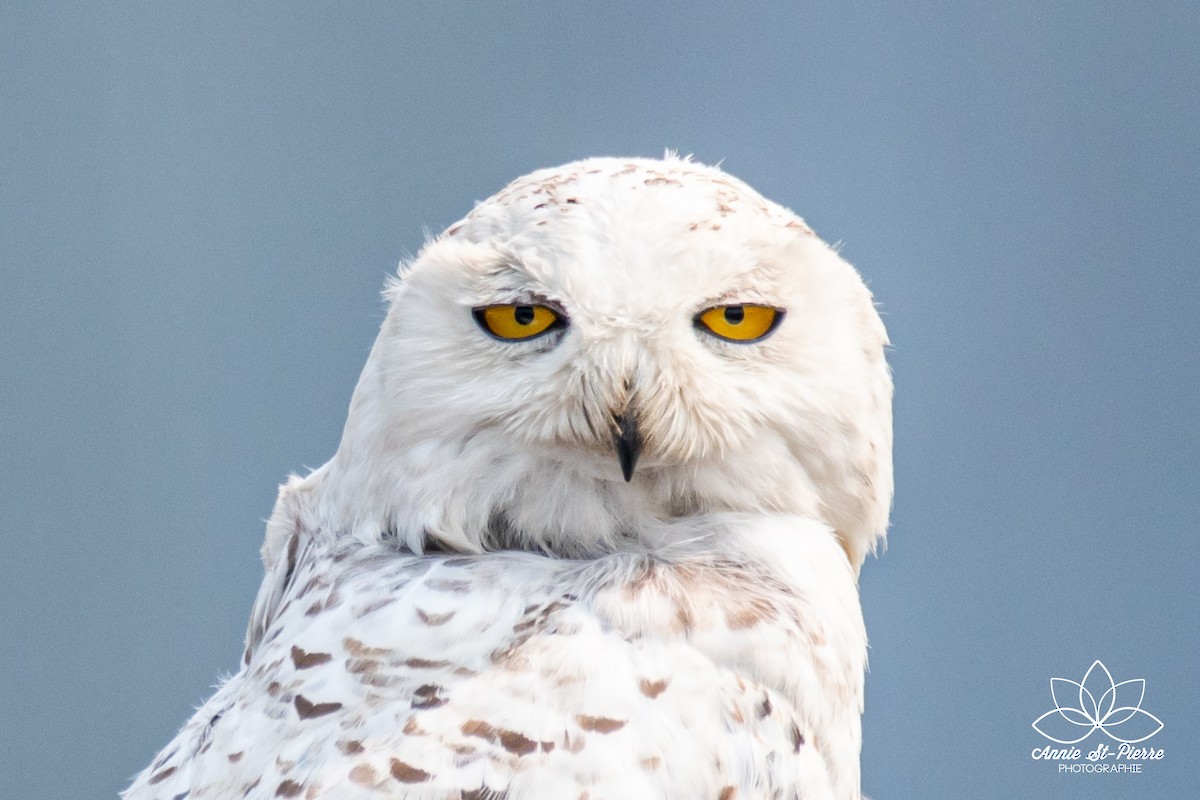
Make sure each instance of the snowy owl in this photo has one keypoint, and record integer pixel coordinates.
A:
(594, 527)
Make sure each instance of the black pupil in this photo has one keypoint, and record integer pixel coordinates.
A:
(523, 314)
(734, 315)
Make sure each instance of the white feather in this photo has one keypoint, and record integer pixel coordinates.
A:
(694, 632)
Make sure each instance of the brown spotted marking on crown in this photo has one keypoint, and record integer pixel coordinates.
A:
(551, 190)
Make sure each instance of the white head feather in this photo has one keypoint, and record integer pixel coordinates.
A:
(458, 440)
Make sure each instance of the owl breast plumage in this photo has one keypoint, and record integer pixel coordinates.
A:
(595, 523)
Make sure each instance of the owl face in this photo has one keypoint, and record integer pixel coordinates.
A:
(607, 346)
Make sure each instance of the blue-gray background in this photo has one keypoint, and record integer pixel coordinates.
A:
(200, 205)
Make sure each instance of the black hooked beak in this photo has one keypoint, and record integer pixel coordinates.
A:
(628, 444)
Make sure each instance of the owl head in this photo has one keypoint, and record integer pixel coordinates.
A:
(601, 348)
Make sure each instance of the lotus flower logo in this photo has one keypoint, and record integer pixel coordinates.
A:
(1097, 703)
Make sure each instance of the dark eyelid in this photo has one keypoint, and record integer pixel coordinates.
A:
(524, 297)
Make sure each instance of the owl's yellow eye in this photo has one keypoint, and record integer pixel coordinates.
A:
(515, 323)
(740, 323)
